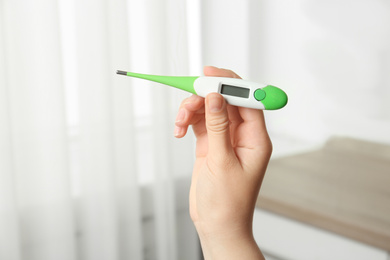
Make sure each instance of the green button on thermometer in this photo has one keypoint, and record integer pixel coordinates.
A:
(237, 92)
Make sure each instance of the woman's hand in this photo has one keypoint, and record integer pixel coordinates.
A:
(232, 153)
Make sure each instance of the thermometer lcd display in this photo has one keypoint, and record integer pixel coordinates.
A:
(234, 91)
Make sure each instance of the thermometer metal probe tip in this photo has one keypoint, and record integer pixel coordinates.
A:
(121, 72)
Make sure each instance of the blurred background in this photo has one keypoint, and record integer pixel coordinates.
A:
(89, 167)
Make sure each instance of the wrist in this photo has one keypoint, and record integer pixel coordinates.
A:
(230, 243)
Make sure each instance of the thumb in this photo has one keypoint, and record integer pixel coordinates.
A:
(217, 123)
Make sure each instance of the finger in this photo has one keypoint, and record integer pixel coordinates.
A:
(185, 116)
(217, 72)
(217, 124)
(194, 103)
(255, 146)
(192, 106)
(254, 118)
(188, 108)
(253, 132)
(234, 116)
(191, 112)
(235, 121)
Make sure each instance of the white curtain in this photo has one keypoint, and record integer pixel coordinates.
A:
(89, 168)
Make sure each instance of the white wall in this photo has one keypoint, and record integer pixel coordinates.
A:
(331, 57)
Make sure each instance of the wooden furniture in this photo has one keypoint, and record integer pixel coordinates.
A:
(343, 188)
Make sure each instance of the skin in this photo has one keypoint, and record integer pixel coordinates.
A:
(232, 153)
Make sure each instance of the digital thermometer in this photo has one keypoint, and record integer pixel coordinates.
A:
(237, 92)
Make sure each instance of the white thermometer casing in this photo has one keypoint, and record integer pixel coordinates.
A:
(206, 85)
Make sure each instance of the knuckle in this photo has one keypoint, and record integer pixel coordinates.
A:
(218, 124)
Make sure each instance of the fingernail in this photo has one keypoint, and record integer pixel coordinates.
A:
(178, 131)
(180, 115)
(215, 104)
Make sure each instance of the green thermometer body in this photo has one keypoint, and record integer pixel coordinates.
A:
(237, 92)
